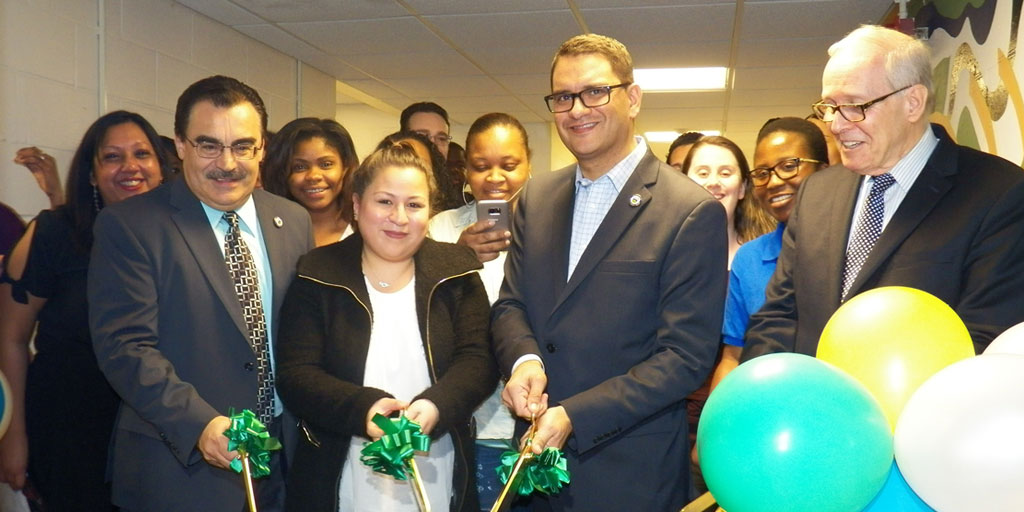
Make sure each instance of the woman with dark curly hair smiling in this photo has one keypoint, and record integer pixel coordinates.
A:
(307, 162)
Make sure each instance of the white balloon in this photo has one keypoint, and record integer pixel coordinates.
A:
(960, 439)
(1011, 341)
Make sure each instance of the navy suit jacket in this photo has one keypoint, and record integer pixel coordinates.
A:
(170, 337)
(958, 234)
(623, 341)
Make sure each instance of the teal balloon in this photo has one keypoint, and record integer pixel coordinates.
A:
(790, 433)
(896, 495)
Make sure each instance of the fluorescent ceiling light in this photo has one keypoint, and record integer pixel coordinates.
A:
(680, 79)
(671, 135)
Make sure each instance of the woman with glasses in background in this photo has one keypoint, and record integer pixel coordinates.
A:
(788, 150)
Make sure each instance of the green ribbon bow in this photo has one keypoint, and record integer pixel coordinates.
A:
(249, 437)
(546, 472)
(391, 453)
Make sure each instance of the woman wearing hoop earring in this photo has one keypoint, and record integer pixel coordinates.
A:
(497, 167)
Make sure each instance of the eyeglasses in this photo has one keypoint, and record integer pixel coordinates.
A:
(592, 97)
(441, 139)
(210, 149)
(785, 170)
(852, 112)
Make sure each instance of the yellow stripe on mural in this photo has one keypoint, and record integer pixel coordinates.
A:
(1009, 79)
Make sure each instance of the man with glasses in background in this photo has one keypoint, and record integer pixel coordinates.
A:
(612, 302)
(184, 290)
(429, 120)
(908, 207)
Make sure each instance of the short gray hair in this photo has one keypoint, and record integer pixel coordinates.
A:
(907, 60)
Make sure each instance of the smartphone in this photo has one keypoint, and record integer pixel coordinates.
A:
(496, 210)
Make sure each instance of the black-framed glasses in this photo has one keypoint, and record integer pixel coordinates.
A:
(852, 112)
(785, 170)
(441, 139)
(211, 149)
(590, 97)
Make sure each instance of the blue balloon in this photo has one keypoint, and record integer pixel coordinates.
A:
(897, 495)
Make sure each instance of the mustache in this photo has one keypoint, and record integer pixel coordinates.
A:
(221, 174)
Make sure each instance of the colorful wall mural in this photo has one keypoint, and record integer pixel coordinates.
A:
(977, 76)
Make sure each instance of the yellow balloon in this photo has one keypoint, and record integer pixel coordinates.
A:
(892, 339)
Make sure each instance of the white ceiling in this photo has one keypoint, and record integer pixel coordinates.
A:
(479, 56)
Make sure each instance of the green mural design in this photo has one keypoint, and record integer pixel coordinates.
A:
(965, 134)
(955, 8)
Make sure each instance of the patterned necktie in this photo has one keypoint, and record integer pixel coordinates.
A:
(868, 230)
(247, 286)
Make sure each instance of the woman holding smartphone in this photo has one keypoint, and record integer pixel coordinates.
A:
(497, 167)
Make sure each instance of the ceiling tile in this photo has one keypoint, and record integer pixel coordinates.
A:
(279, 11)
(774, 97)
(223, 11)
(591, 4)
(529, 85)
(663, 25)
(444, 87)
(367, 36)
(781, 77)
(477, 7)
(520, 59)
(411, 65)
(378, 90)
(504, 29)
(691, 54)
(811, 51)
(809, 18)
(474, 57)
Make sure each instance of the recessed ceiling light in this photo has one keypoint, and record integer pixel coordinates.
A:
(680, 79)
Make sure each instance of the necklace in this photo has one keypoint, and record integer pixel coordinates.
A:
(372, 275)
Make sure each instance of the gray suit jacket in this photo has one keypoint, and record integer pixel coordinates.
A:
(169, 335)
(631, 334)
(958, 234)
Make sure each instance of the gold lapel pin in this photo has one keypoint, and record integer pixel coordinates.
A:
(278, 222)
(635, 200)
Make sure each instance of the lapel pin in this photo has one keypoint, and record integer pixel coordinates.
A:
(634, 200)
(278, 222)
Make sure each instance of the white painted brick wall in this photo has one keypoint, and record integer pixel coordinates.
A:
(49, 75)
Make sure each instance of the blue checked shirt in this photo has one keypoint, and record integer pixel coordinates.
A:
(595, 197)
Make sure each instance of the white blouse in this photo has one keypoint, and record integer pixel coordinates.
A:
(396, 362)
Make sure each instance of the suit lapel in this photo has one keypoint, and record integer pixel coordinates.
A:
(561, 205)
(273, 239)
(930, 186)
(615, 222)
(194, 227)
(844, 203)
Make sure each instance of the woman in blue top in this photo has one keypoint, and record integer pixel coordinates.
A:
(788, 150)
